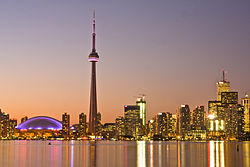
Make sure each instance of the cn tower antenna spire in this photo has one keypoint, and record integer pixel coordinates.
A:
(93, 33)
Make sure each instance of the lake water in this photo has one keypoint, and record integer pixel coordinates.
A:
(122, 153)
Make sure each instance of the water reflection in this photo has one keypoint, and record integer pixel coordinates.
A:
(93, 153)
(151, 154)
(141, 153)
(124, 154)
(216, 153)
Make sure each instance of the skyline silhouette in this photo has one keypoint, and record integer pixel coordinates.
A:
(173, 52)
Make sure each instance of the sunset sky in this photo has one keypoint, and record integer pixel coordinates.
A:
(172, 51)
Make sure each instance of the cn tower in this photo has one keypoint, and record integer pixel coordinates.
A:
(93, 59)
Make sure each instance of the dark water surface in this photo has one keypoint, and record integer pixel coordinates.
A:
(122, 153)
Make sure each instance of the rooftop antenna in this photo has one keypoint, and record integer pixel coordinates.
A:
(93, 33)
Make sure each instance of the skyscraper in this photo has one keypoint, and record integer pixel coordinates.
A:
(198, 117)
(133, 122)
(120, 127)
(82, 124)
(142, 103)
(183, 120)
(222, 86)
(93, 58)
(12, 124)
(5, 123)
(246, 104)
(65, 125)
(160, 124)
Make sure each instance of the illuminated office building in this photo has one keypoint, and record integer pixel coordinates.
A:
(160, 121)
(234, 116)
(109, 130)
(142, 103)
(12, 126)
(229, 101)
(82, 125)
(151, 128)
(222, 86)
(198, 116)
(183, 120)
(66, 125)
(214, 107)
(229, 98)
(198, 129)
(171, 125)
(5, 123)
(216, 127)
(133, 122)
(246, 104)
(99, 124)
(119, 127)
(223, 112)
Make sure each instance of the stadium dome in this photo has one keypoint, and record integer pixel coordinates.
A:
(40, 123)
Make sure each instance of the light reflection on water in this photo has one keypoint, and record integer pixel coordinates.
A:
(124, 154)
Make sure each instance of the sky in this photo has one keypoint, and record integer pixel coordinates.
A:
(171, 51)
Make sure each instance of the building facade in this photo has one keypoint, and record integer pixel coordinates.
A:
(183, 121)
(82, 125)
(66, 126)
(142, 103)
(133, 122)
(246, 104)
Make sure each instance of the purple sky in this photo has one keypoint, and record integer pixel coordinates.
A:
(172, 51)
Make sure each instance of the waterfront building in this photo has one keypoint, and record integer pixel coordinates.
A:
(160, 121)
(119, 128)
(133, 122)
(234, 121)
(223, 112)
(151, 128)
(12, 126)
(5, 123)
(66, 126)
(82, 125)
(172, 125)
(142, 103)
(109, 130)
(183, 121)
(198, 117)
(215, 127)
(229, 101)
(246, 104)
(99, 124)
(198, 128)
(93, 59)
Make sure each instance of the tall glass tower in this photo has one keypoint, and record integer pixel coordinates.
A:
(142, 103)
(93, 59)
(222, 86)
(246, 104)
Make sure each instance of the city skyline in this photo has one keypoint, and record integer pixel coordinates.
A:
(52, 75)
